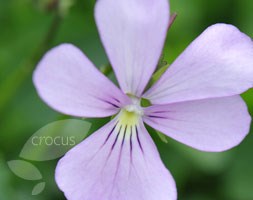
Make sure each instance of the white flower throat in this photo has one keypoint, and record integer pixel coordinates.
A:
(134, 108)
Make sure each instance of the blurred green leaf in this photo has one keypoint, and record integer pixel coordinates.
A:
(158, 74)
(162, 136)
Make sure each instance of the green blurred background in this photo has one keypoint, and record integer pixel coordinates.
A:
(30, 27)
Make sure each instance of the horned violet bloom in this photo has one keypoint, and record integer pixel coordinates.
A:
(196, 101)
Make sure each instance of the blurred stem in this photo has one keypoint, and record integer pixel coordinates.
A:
(173, 17)
(53, 29)
(14, 81)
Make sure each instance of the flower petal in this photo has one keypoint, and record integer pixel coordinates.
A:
(218, 63)
(133, 34)
(208, 125)
(115, 163)
(68, 82)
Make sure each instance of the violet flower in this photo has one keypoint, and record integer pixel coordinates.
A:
(196, 101)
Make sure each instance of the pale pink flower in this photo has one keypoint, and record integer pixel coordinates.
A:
(196, 101)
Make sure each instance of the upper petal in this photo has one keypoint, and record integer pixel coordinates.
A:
(218, 63)
(115, 163)
(67, 81)
(208, 125)
(133, 34)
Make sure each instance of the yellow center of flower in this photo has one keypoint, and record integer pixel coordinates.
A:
(128, 118)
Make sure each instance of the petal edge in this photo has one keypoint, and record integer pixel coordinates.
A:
(68, 82)
(211, 125)
(133, 34)
(218, 63)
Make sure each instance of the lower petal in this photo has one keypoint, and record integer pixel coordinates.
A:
(118, 162)
(208, 125)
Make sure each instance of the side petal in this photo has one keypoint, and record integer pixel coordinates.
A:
(209, 125)
(133, 34)
(218, 63)
(68, 82)
(115, 163)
